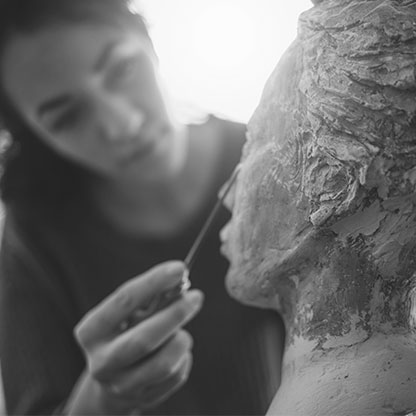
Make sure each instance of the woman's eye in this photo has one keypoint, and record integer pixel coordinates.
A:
(67, 119)
(122, 71)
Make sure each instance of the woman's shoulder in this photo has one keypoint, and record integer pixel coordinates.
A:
(225, 127)
(29, 242)
(18, 243)
(229, 134)
(19, 266)
(218, 142)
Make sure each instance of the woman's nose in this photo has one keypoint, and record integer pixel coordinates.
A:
(118, 120)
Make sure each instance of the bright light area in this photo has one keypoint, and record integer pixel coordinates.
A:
(216, 55)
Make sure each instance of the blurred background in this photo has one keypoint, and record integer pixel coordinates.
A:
(215, 56)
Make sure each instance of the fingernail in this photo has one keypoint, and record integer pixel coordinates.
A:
(195, 297)
(175, 267)
(185, 282)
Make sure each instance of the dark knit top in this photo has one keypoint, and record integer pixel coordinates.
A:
(52, 272)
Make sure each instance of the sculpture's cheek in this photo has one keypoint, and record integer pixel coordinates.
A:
(270, 221)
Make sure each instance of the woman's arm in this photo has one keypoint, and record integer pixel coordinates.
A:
(42, 361)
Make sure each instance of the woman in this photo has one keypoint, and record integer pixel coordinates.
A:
(102, 188)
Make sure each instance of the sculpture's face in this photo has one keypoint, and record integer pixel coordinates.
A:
(270, 222)
(317, 220)
(270, 233)
(324, 210)
(312, 223)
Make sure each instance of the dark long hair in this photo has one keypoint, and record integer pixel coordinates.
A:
(34, 177)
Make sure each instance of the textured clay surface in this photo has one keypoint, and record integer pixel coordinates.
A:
(324, 216)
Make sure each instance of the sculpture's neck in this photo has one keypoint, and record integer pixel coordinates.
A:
(338, 361)
(345, 302)
(374, 377)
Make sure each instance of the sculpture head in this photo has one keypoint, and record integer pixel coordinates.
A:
(324, 217)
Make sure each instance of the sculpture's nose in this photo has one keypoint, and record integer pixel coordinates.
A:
(227, 191)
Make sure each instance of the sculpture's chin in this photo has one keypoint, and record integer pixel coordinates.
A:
(244, 287)
(234, 287)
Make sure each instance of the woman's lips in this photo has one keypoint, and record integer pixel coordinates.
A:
(146, 148)
(145, 142)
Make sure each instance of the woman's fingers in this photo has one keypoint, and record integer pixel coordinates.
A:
(158, 393)
(148, 361)
(105, 319)
(146, 337)
(163, 368)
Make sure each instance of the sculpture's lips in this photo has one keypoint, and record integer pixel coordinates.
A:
(203, 233)
(224, 250)
(224, 233)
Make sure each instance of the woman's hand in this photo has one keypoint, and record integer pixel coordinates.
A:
(139, 367)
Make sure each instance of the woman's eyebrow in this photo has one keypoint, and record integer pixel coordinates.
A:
(100, 63)
(105, 55)
(62, 100)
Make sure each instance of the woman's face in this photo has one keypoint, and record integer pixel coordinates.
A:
(92, 93)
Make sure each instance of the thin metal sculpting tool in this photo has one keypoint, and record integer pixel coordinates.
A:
(196, 246)
(164, 299)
